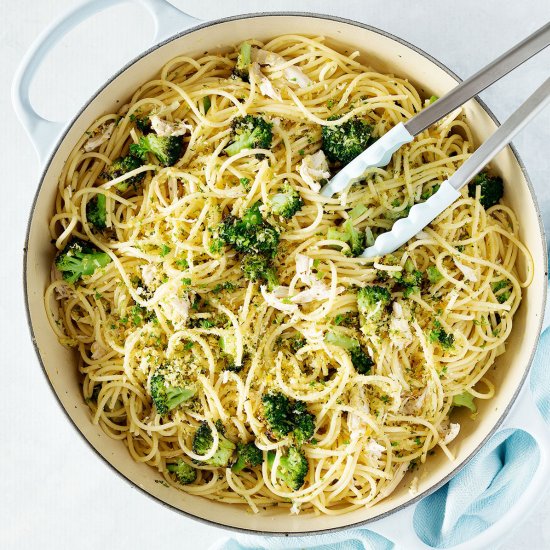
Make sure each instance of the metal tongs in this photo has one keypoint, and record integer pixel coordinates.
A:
(380, 153)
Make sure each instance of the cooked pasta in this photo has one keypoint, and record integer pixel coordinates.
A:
(169, 304)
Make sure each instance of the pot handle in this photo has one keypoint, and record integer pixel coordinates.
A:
(44, 133)
(399, 528)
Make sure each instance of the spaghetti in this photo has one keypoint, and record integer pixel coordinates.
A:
(169, 297)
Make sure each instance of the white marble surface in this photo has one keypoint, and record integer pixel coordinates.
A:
(55, 492)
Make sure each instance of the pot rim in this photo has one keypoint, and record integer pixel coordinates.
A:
(54, 151)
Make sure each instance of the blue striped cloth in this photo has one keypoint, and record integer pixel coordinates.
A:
(472, 501)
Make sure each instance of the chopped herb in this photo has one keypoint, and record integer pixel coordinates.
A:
(440, 336)
(221, 287)
(164, 250)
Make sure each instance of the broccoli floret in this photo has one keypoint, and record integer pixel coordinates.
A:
(360, 359)
(346, 141)
(252, 217)
(410, 278)
(79, 258)
(121, 166)
(248, 456)
(203, 441)
(96, 211)
(167, 149)
(293, 467)
(373, 302)
(304, 423)
(228, 346)
(243, 62)
(297, 342)
(250, 234)
(278, 413)
(183, 472)
(285, 416)
(440, 336)
(167, 397)
(434, 275)
(256, 267)
(143, 124)
(465, 399)
(492, 189)
(250, 132)
(286, 202)
(498, 287)
(350, 235)
(341, 340)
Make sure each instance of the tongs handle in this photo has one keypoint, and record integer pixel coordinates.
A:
(537, 101)
(501, 66)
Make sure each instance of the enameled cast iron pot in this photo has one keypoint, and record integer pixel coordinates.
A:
(385, 53)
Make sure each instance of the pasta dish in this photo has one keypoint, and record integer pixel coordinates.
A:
(226, 329)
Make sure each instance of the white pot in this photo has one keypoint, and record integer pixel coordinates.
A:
(385, 53)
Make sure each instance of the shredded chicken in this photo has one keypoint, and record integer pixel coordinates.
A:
(468, 272)
(97, 350)
(359, 402)
(297, 76)
(96, 140)
(374, 448)
(318, 291)
(176, 309)
(292, 74)
(63, 291)
(148, 274)
(280, 299)
(165, 128)
(400, 331)
(313, 169)
(449, 433)
(265, 85)
(303, 268)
